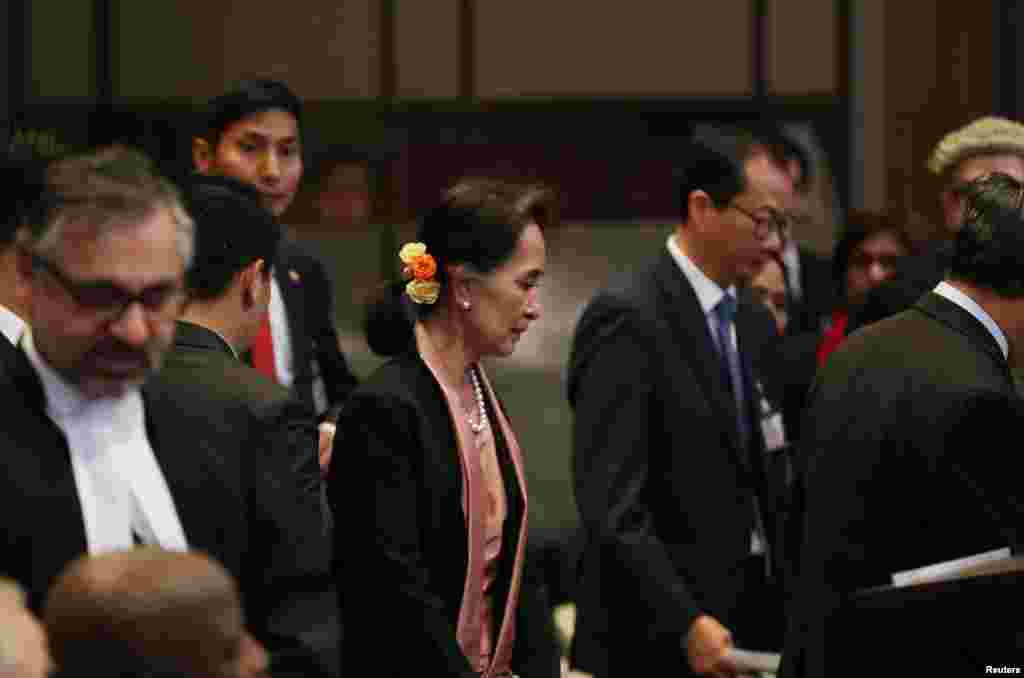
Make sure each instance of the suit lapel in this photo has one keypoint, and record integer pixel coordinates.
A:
(50, 484)
(691, 335)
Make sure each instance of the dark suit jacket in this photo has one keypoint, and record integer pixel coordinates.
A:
(309, 303)
(401, 542)
(898, 471)
(231, 492)
(819, 293)
(8, 354)
(201, 358)
(665, 492)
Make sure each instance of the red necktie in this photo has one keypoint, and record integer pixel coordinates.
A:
(833, 336)
(263, 350)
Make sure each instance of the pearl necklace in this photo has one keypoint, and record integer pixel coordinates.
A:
(482, 422)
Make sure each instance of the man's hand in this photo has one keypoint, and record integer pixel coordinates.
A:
(707, 646)
(326, 445)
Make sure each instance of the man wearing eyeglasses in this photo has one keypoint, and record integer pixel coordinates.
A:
(672, 426)
(100, 453)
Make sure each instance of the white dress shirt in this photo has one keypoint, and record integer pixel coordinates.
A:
(281, 337)
(944, 289)
(709, 293)
(707, 290)
(121, 489)
(791, 260)
(11, 325)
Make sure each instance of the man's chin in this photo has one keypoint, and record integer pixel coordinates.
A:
(277, 206)
(106, 386)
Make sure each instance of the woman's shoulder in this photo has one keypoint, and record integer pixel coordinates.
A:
(401, 394)
(404, 377)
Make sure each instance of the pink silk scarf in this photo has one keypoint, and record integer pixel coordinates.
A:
(470, 631)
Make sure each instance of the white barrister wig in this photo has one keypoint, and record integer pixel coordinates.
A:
(984, 136)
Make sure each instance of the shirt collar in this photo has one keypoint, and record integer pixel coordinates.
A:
(708, 291)
(234, 353)
(11, 325)
(944, 289)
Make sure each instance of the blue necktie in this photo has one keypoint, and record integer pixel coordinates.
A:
(725, 311)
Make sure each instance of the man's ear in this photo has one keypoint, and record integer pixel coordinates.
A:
(952, 208)
(699, 206)
(23, 266)
(254, 282)
(202, 155)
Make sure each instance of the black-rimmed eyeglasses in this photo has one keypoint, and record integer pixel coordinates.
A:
(108, 300)
(771, 222)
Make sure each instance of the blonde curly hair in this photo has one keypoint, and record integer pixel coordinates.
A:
(985, 136)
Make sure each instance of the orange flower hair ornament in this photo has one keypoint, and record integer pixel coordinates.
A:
(419, 269)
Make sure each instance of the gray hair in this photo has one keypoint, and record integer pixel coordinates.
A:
(115, 187)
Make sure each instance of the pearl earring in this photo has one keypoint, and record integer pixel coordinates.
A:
(465, 305)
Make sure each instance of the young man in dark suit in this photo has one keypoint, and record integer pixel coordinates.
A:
(237, 242)
(102, 453)
(670, 439)
(254, 133)
(891, 475)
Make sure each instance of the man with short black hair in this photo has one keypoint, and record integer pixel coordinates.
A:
(671, 433)
(254, 133)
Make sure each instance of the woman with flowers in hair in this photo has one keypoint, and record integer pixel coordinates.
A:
(428, 486)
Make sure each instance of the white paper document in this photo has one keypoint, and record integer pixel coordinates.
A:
(749, 661)
(948, 569)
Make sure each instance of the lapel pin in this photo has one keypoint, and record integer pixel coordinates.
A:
(294, 276)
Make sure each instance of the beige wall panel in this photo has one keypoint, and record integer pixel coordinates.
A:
(583, 47)
(874, 103)
(167, 50)
(427, 48)
(61, 49)
(802, 57)
(324, 49)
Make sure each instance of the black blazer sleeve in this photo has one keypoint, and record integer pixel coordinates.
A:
(296, 603)
(380, 493)
(612, 377)
(338, 377)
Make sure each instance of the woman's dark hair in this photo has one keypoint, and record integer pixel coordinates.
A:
(861, 225)
(478, 223)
